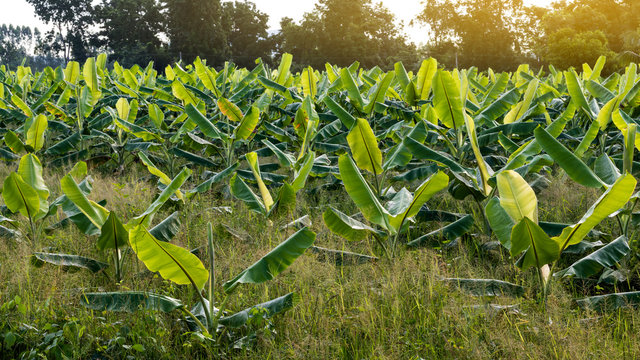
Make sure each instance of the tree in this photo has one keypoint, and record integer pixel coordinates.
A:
(195, 28)
(247, 34)
(15, 43)
(71, 21)
(568, 48)
(485, 32)
(131, 29)
(580, 31)
(341, 32)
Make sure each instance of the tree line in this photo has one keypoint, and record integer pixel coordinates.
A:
(500, 34)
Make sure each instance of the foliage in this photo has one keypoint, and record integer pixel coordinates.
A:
(194, 137)
(372, 39)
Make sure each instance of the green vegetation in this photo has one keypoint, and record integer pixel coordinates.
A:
(349, 212)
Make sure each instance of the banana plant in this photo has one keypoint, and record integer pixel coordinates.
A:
(229, 135)
(514, 218)
(393, 219)
(128, 134)
(25, 192)
(265, 204)
(95, 220)
(367, 154)
(33, 132)
(181, 267)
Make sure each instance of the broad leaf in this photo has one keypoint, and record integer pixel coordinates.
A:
(172, 262)
(270, 308)
(612, 200)
(539, 249)
(364, 147)
(20, 196)
(345, 226)
(517, 198)
(607, 256)
(113, 234)
(275, 262)
(69, 261)
(575, 168)
(361, 193)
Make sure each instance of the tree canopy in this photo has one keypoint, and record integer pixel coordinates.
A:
(342, 32)
(497, 34)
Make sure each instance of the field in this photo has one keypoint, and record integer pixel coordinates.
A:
(336, 213)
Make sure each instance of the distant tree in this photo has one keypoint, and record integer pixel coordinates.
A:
(341, 32)
(485, 32)
(15, 44)
(71, 20)
(567, 48)
(195, 28)
(579, 31)
(132, 30)
(247, 34)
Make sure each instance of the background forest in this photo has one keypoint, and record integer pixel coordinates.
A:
(496, 33)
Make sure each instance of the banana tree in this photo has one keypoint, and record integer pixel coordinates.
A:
(225, 132)
(181, 267)
(514, 218)
(25, 192)
(94, 219)
(265, 204)
(393, 219)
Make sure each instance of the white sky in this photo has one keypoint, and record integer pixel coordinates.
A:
(18, 12)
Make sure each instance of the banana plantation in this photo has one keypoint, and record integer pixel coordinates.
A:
(328, 213)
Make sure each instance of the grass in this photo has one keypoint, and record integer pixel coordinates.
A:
(390, 309)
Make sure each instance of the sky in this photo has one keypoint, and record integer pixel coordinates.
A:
(19, 12)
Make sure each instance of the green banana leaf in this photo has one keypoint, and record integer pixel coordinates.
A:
(20, 196)
(243, 192)
(167, 228)
(345, 226)
(364, 147)
(577, 170)
(347, 119)
(247, 124)
(361, 193)
(30, 170)
(574, 87)
(147, 216)
(517, 198)
(612, 200)
(68, 261)
(172, 262)
(500, 221)
(207, 128)
(94, 212)
(35, 134)
(275, 262)
(425, 78)
(270, 308)
(607, 256)
(446, 100)
(113, 234)
(352, 89)
(528, 237)
(434, 184)
(129, 301)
